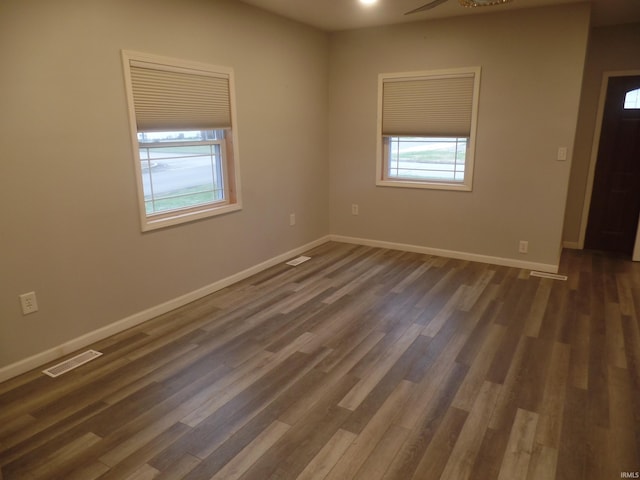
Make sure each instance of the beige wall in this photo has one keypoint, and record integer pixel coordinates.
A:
(532, 62)
(69, 225)
(610, 49)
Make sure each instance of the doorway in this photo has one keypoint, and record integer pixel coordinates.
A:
(615, 199)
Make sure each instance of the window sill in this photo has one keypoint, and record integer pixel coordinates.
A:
(463, 187)
(177, 218)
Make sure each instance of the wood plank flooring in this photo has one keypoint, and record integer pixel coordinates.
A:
(361, 363)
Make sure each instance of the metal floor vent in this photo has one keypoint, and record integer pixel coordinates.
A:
(548, 275)
(297, 261)
(71, 363)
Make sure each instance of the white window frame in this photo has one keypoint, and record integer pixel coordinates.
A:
(383, 178)
(229, 146)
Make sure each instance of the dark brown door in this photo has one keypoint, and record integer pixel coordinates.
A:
(615, 201)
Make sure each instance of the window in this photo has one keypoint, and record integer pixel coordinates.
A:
(181, 169)
(426, 129)
(632, 100)
(184, 136)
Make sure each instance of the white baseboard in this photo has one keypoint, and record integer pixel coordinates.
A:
(473, 257)
(66, 348)
(571, 245)
(71, 346)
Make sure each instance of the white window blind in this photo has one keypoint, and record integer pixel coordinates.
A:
(434, 106)
(170, 98)
(184, 137)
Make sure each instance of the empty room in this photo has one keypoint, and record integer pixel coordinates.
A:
(286, 239)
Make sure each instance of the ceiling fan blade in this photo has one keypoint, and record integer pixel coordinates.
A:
(428, 6)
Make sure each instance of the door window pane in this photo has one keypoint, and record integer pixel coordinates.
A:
(632, 99)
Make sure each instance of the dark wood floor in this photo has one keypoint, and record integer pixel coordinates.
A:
(362, 364)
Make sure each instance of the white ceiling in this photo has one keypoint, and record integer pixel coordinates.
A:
(334, 15)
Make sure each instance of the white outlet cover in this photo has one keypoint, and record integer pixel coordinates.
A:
(29, 303)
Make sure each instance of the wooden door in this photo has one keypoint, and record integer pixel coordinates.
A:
(615, 201)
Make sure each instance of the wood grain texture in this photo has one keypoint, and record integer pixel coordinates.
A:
(360, 364)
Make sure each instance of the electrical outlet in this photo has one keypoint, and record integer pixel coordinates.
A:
(523, 247)
(29, 303)
(355, 209)
(292, 219)
(562, 154)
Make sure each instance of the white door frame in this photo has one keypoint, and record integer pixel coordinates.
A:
(636, 249)
(594, 158)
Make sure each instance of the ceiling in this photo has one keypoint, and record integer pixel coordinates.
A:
(332, 15)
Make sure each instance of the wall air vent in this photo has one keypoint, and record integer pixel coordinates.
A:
(71, 363)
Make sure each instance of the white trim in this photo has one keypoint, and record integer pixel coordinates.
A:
(595, 147)
(163, 221)
(636, 249)
(467, 184)
(83, 341)
(474, 257)
(230, 166)
(40, 359)
(427, 184)
(571, 245)
(175, 64)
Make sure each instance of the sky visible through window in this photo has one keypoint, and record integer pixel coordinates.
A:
(632, 99)
(180, 169)
(427, 158)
